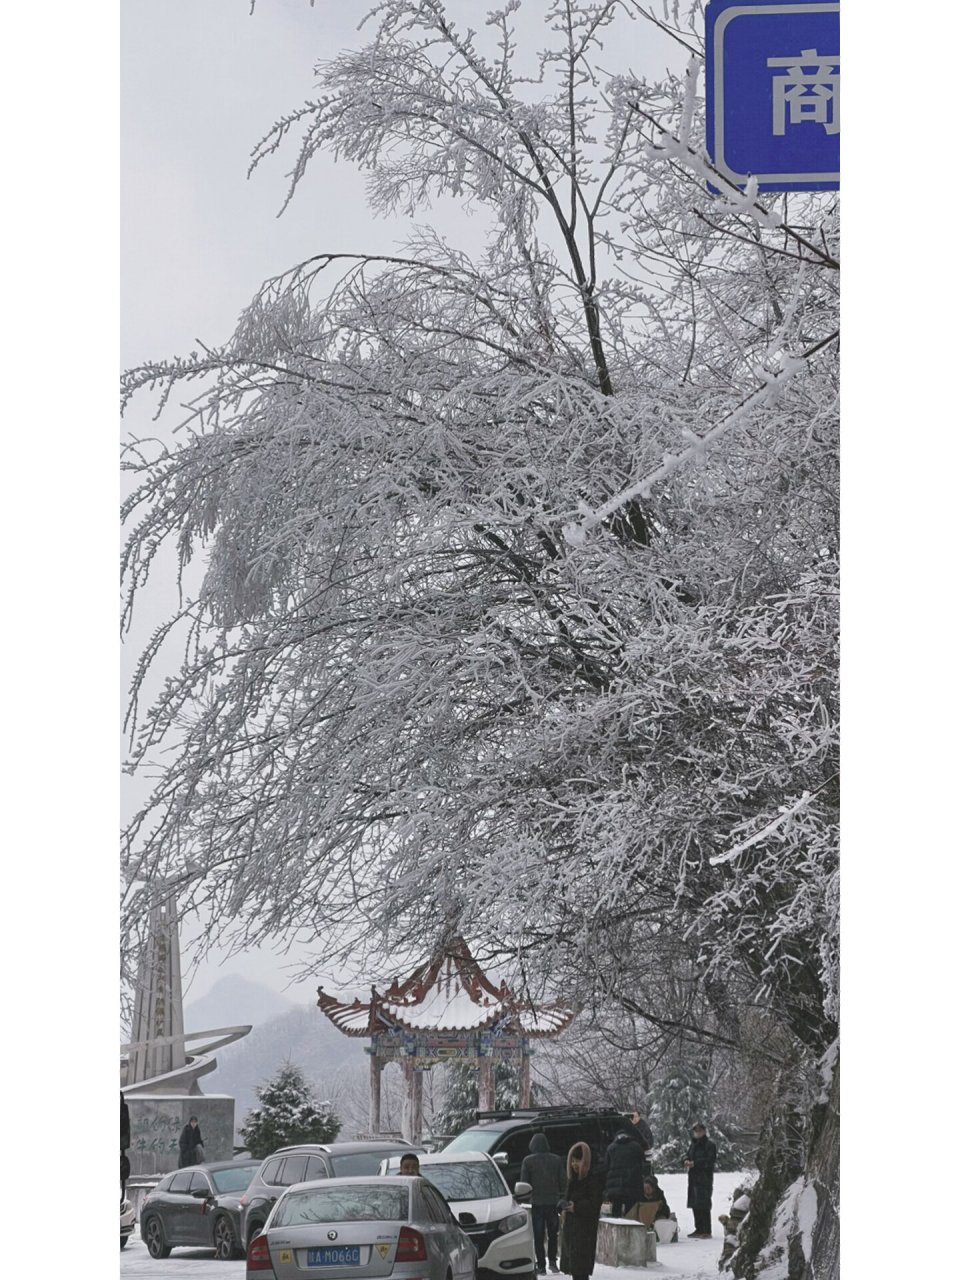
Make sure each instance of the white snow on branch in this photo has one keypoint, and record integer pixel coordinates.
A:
(786, 811)
(575, 532)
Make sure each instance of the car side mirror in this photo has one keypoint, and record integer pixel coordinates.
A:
(522, 1189)
(501, 1158)
(200, 1195)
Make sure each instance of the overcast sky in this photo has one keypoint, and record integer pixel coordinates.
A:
(202, 82)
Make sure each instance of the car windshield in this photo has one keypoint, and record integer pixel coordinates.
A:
(357, 1163)
(478, 1139)
(343, 1204)
(237, 1179)
(468, 1181)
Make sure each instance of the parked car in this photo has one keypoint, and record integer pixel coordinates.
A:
(505, 1135)
(305, 1163)
(199, 1206)
(370, 1227)
(128, 1220)
(499, 1228)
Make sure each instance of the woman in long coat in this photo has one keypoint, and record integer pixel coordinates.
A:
(581, 1213)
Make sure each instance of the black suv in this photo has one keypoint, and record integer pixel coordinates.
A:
(505, 1135)
(304, 1163)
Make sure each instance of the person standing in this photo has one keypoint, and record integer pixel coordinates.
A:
(699, 1163)
(643, 1134)
(191, 1144)
(124, 1143)
(625, 1164)
(543, 1169)
(581, 1213)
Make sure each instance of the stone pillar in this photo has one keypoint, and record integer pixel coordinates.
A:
(524, 1079)
(376, 1066)
(157, 1030)
(406, 1119)
(417, 1106)
(487, 1084)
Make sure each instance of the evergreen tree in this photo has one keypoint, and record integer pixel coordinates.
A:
(678, 1101)
(462, 1095)
(288, 1113)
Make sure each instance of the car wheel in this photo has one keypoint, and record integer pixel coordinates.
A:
(157, 1246)
(225, 1241)
(255, 1229)
(123, 1242)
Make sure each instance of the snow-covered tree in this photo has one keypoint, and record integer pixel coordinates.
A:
(461, 1095)
(288, 1113)
(679, 1099)
(519, 604)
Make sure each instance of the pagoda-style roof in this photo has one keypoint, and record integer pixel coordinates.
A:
(449, 993)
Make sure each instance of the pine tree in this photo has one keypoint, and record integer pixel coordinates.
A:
(288, 1113)
(678, 1101)
(462, 1095)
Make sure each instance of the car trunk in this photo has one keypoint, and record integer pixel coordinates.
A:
(359, 1250)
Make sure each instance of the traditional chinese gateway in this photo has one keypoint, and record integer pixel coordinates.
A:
(446, 1010)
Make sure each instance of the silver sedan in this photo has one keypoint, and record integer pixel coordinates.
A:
(345, 1228)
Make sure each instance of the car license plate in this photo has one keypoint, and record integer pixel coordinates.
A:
(347, 1256)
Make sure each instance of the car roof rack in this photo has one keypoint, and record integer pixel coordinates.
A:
(543, 1113)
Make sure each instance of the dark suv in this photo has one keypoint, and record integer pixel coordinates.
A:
(304, 1163)
(505, 1135)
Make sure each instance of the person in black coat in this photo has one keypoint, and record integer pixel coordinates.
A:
(543, 1169)
(624, 1171)
(124, 1143)
(191, 1144)
(642, 1132)
(699, 1163)
(581, 1213)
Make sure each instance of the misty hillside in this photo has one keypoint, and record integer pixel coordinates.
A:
(232, 1001)
(335, 1065)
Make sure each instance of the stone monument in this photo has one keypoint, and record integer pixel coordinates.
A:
(159, 1074)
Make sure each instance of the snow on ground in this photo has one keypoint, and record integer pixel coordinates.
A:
(696, 1259)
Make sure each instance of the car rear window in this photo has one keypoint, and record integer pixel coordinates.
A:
(478, 1139)
(468, 1181)
(357, 1163)
(343, 1204)
(233, 1179)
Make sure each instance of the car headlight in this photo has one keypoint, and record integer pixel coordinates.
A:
(513, 1222)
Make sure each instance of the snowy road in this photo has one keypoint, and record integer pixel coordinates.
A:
(695, 1259)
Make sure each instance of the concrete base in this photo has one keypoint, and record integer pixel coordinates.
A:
(156, 1122)
(624, 1243)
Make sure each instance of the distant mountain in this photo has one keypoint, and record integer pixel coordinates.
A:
(231, 1001)
(335, 1065)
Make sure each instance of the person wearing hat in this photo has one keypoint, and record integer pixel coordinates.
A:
(625, 1169)
(699, 1163)
(650, 1193)
(544, 1171)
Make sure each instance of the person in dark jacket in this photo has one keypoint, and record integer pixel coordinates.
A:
(699, 1163)
(124, 1143)
(581, 1213)
(191, 1144)
(644, 1136)
(651, 1192)
(543, 1169)
(624, 1171)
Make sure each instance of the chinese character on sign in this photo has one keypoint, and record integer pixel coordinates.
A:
(806, 96)
(773, 93)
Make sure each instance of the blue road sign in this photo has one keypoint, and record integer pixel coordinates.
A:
(773, 92)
